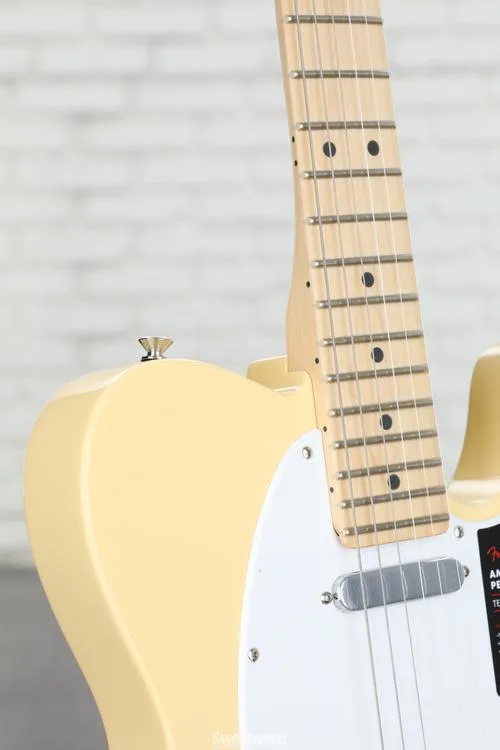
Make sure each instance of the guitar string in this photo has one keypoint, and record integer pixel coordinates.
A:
(469, 652)
(378, 398)
(343, 422)
(354, 354)
(391, 351)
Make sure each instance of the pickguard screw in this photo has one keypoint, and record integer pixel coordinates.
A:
(466, 571)
(307, 453)
(326, 598)
(459, 532)
(253, 654)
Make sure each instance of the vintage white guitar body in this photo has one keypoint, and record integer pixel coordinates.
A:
(152, 560)
(275, 560)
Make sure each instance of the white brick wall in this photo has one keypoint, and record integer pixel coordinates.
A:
(145, 186)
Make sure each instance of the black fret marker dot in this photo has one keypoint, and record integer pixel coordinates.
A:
(394, 482)
(368, 279)
(373, 148)
(377, 355)
(386, 421)
(329, 149)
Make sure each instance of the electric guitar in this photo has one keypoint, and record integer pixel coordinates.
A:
(275, 560)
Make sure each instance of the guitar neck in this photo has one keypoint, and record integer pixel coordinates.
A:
(354, 319)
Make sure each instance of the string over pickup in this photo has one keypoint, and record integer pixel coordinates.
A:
(367, 589)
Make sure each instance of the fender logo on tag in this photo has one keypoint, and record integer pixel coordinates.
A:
(494, 554)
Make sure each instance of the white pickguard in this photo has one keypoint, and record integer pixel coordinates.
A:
(312, 686)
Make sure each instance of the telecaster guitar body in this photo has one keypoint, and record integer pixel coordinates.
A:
(274, 560)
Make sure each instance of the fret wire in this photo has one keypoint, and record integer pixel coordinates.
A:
(363, 301)
(382, 439)
(348, 125)
(334, 19)
(365, 260)
(362, 502)
(374, 338)
(399, 524)
(390, 469)
(353, 75)
(387, 372)
(381, 407)
(357, 218)
(340, 174)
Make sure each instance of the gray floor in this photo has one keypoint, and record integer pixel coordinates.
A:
(44, 701)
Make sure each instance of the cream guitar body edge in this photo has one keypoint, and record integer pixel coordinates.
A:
(275, 560)
(170, 574)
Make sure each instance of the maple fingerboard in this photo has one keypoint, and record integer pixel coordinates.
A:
(354, 318)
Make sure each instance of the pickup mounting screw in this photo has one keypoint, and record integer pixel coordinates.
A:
(466, 571)
(326, 598)
(253, 654)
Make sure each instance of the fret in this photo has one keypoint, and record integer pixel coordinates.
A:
(404, 523)
(371, 338)
(382, 439)
(346, 125)
(360, 301)
(342, 174)
(389, 469)
(385, 406)
(362, 260)
(319, 47)
(374, 93)
(333, 19)
(363, 502)
(387, 372)
(339, 74)
(356, 218)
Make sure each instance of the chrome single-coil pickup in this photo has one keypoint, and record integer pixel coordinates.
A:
(371, 338)
(344, 174)
(387, 372)
(363, 260)
(347, 125)
(401, 437)
(350, 411)
(334, 18)
(353, 75)
(387, 299)
(389, 497)
(396, 584)
(372, 471)
(405, 523)
(356, 218)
